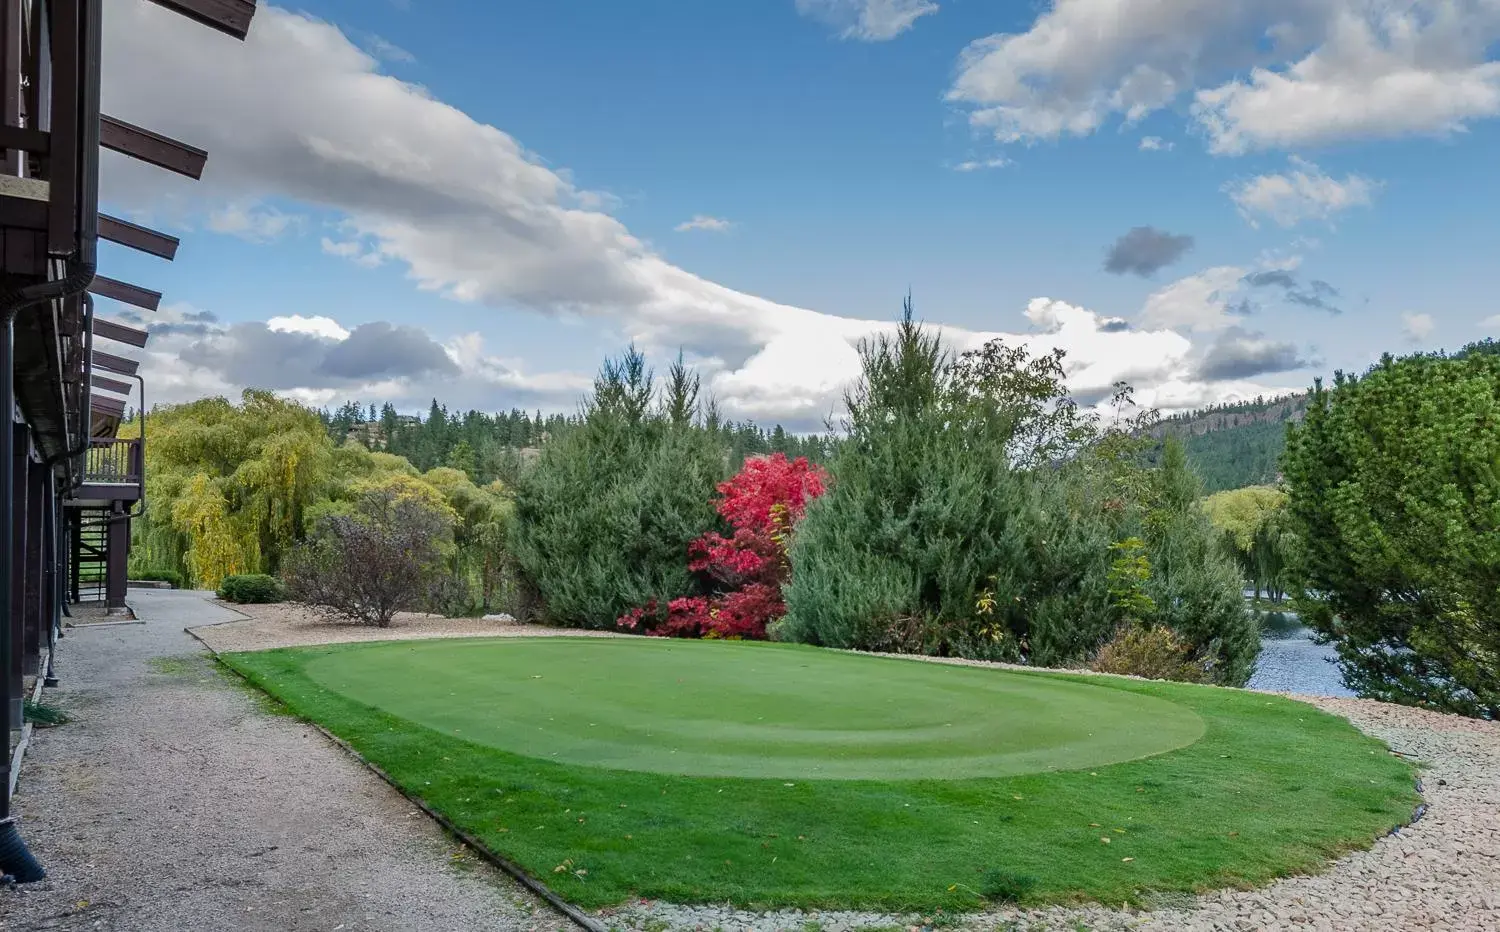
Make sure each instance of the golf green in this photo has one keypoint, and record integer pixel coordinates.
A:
(715, 709)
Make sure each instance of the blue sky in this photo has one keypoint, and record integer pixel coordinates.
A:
(512, 188)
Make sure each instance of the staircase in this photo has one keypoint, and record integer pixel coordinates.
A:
(90, 548)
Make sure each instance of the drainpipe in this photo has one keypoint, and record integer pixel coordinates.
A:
(78, 273)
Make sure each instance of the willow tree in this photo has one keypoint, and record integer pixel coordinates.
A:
(1253, 523)
(229, 484)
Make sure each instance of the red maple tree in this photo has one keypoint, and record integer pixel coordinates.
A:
(762, 503)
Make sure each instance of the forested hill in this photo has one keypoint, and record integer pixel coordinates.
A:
(1234, 445)
(494, 446)
(1230, 446)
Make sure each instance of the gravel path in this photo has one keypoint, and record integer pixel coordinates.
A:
(261, 627)
(174, 803)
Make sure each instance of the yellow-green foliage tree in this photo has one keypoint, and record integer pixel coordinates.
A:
(228, 485)
(1254, 525)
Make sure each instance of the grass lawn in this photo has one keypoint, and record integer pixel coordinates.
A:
(773, 775)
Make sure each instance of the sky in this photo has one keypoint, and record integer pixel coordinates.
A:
(417, 199)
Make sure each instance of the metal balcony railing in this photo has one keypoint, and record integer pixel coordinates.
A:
(113, 462)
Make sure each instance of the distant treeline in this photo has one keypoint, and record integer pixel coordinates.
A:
(494, 446)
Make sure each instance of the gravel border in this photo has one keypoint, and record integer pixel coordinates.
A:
(1440, 873)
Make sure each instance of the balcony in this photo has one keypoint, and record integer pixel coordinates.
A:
(113, 471)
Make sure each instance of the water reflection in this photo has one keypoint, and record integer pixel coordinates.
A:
(1291, 662)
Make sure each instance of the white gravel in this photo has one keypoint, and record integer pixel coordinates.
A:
(262, 627)
(174, 803)
(1443, 873)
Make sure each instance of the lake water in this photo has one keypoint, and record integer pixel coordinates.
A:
(1291, 662)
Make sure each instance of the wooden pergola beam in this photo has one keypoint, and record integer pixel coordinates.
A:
(227, 16)
(110, 385)
(153, 148)
(119, 365)
(107, 405)
(138, 237)
(113, 330)
(130, 294)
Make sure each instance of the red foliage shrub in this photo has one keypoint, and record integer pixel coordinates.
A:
(762, 503)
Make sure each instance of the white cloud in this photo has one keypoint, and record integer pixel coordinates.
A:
(1382, 70)
(1304, 192)
(1261, 73)
(300, 114)
(1155, 144)
(1417, 327)
(1490, 323)
(868, 20)
(257, 223)
(704, 222)
(1200, 302)
(323, 327)
(974, 165)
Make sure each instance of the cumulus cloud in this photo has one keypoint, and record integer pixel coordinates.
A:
(1204, 301)
(1259, 73)
(317, 325)
(300, 114)
(1241, 354)
(1145, 250)
(704, 222)
(1304, 192)
(1417, 327)
(1155, 144)
(868, 20)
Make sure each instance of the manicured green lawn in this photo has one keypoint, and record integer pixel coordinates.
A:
(777, 775)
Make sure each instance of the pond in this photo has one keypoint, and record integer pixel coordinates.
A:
(1290, 661)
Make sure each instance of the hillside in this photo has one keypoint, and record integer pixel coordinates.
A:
(1235, 445)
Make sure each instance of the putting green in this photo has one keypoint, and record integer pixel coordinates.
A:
(716, 709)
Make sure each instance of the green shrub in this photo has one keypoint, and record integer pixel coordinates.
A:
(166, 576)
(388, 553)
(603, 520)
(1153, 652)
(252, 588)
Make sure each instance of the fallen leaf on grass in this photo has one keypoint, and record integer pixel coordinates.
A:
(1105, 840)
(1127, 859)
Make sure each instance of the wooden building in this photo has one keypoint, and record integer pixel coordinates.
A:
(69, 486)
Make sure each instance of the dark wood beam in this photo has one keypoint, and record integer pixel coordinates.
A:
(130, 294)
(26, 140)
(228, 16)
(109, 384)
(106, 405)
(152, 148)
(116, 364)
(64, 169)
(138, 237)
(110, 330)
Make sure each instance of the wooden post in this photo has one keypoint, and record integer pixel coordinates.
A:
(75, 551)
(36, 521)
(117, 553)
(19, 460)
